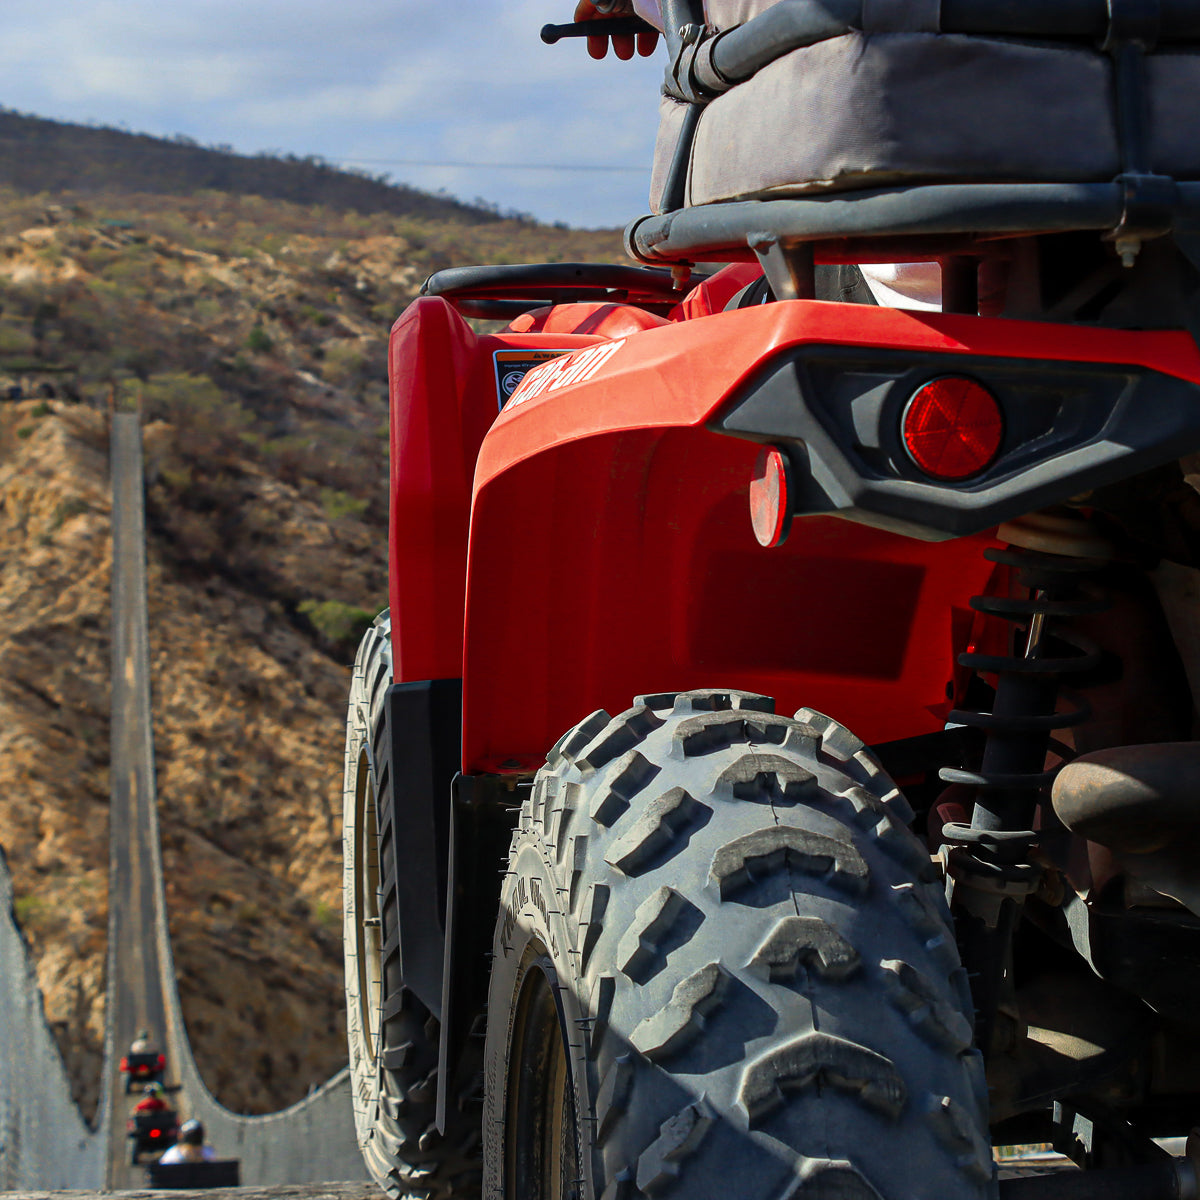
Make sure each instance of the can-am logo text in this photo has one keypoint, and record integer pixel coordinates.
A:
(561, 372)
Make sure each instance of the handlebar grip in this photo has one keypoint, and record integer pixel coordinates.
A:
(609, 27)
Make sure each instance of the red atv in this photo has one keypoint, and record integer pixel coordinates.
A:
(142, 1068)
(704, 949)
(151, 1133)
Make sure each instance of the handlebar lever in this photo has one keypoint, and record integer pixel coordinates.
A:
(608, 27)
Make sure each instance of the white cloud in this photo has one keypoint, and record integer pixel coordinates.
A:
(429, 80)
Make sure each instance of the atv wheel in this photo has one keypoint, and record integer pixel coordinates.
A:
(724, 967)
(393, 1037)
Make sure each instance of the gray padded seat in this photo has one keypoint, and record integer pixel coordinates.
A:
(902, 104)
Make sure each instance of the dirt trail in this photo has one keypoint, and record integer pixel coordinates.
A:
(296, 1191)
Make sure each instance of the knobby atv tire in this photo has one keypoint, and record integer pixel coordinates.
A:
(758, 990)
(393, 1037)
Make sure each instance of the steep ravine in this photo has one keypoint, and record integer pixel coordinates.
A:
(252, 335)
(248, 725)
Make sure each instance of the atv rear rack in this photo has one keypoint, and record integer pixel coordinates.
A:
(945, 218)
(942, 221)
(504, 292)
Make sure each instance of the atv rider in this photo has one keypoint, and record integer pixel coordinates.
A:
(623, 44)
(152, 1100)
(911, 285)
(190, 1147)
(142, 1043)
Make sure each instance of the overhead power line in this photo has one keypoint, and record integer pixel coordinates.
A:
(495, 166)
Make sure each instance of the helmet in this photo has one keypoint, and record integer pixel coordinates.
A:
(192, 1132)
(153, 1089)
(143, 1035)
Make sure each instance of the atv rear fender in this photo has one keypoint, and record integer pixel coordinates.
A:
(612, 553)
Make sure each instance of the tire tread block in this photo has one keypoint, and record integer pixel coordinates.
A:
(828, 1179)
(618, 737)
(925, 917)
(611, 1096)
(875, 817)
(844, 748)
(573, 741)
(814, 1059)
(682, 1019)
(917, 998)
(721, 700)
(660, 823)
(709, 732)
(678, 1138)
(804, 942)
(633, 772)
(767, 779)
(662, 923)
(757, 854)
(955, 1130)
(596, 906)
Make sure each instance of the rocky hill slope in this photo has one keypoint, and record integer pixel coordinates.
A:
(253, 334)
(39, 155)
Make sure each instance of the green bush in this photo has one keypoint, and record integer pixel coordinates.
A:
(15, 340)
(344, 361)
(66, 509)
(317, 316)
(177, 479)
(25, 431)
(259, 340)
(341, 504)
(336, 622)
(27, 908)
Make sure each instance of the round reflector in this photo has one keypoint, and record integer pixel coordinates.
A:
(770, 497)
(952, 427)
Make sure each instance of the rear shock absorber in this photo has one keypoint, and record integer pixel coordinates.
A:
(990, 869)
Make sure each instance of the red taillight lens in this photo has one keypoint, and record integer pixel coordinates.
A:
(162, 1061)
(124, 1064)
(156, 1133)
(770, 497)
(952, 427)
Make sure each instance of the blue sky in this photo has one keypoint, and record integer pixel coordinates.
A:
(384, 84)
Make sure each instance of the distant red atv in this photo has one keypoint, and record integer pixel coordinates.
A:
(702, 950)
(151, 1133)
(140, 1069)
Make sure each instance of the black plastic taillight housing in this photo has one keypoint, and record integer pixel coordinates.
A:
(1069, 427)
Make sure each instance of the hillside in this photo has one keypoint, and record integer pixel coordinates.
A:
(39, 155)
(253, 334)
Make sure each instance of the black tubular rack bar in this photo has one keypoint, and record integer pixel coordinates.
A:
(519, 278)
(953, 213)
(501, 292)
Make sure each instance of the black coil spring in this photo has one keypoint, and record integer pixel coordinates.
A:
(1054, 582)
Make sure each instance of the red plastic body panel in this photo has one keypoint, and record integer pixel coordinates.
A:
(610, 547)
(612, 551)
(442, 382)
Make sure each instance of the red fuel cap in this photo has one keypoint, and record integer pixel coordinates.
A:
(952, 427)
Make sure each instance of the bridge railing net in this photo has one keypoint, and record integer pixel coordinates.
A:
(45, 1144)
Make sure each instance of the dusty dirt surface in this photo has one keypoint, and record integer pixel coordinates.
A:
(295, 1191)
